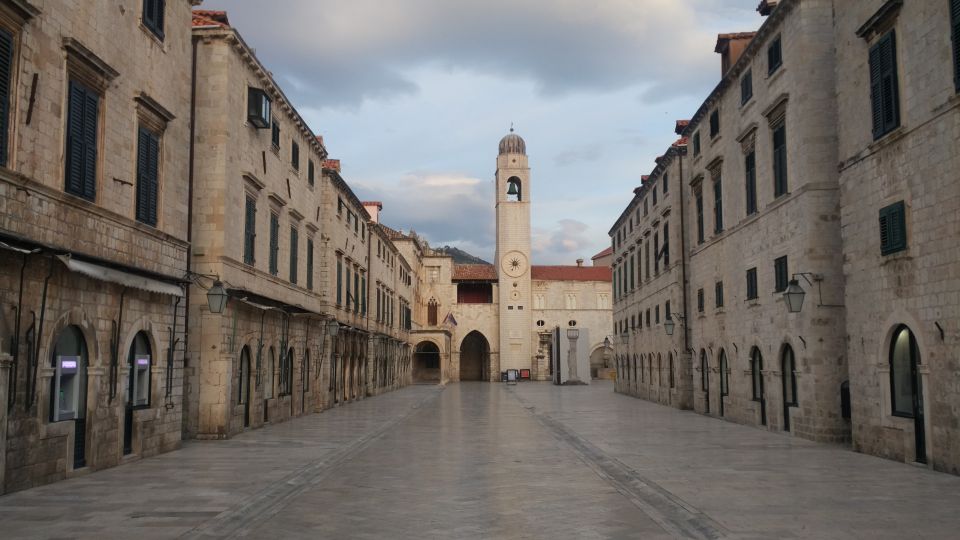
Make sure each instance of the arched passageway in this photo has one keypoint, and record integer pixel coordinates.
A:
(474, 357)
(426, 362)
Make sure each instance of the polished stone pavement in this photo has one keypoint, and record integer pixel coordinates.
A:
(477, 460)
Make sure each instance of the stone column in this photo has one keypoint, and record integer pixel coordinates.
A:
(5, 362)
(572, 377)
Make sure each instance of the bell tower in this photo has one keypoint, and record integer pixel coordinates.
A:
(513, 253)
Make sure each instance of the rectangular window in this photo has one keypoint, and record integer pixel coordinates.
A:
(656, 252)
(780, 160)
(363, 295)
(378, 313)
(646, 207)
(667, 314)
(295, 155)
(6, 81)
(893, 228)
(654, 195)
(258, 108)
(780, 275)
(646, 258)
(746, 87)
(274, 244)
(275, 135)
(665, 181)
(153, 16)
(699, 199)
(884, 87)
(696, 144)
(356, 291)
(665, 254)
(717, 206)
(714, 124)
(750, 166)
(633, 282)
(752, 284)
(656, 314)
(339, 281)
(648, 317)
(148, 182)
(339, 206)
(83, 113)
(349, 298)
(310, 172)
(249, 231)
(700, 300)
(309, 264)
(294, 244)
(955, 36)
(774, 56)
(718, 294)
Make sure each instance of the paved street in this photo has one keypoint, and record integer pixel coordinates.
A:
(480, 460)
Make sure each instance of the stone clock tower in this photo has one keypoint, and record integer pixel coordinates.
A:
(513, 253)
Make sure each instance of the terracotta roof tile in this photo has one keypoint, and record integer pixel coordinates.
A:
(207, 17)
(474, 272)
(682, 141)
(571, 273)
(604, 253)
(331, 164)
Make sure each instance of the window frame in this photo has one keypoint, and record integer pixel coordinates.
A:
(893, 228)
(878, 95)
(746, 87)
(774, 55)
(781, 274)
(153, 20)
(259, 108)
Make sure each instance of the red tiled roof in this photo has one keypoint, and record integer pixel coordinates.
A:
(682, 141)
(474, 272)
(331, 164)
(207, 17)
(644, 178)
(680, 126)
(571, 273)
(724, 39)
(372, 203)
(604, 253)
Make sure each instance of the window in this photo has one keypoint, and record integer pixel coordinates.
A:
(310, 172)
(294, 244)
(700, 300)
(904, 362)
(153, 16)
(672, 381)
(6, 83)
(295, 155)
(249, 230)
(148, 182)
(83, 112)
(432, 312)
(646, 207)
(746, 87)
(339, 206)
(258, 108)
(349, 296)
(774, 56)
(656, 314)
(955, 35)
(656, 252)
(696, 144)
(750, 166)
(752, 284)
(666, 246)
(309, 264)
(339, 280)
(268, 376)
(69, 383)
(286, 373)
(717, 206)
(274, 243)
(648, 317)
(756, 372)
(665, 182)
(780, 160)
(724, 375)
(654, 193)
(718, 293)
(699, 200)
(780, 274)
(275, 135)
(704, 372)
(714, 124)
(893, 228)
(363, 295)
(884, 88)
(789, 371)
(666, 311)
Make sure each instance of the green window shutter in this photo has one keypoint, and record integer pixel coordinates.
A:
(363, 295)
(274, 244)
(339, 282)
(294, 244)
(6, 75)
(356, 292)
(82, 115)
(893, 229)
(148, 166)
(955, 36)
(309, 264)
(751, 182)
(249, 231)
(884, 90)
(347, 288)
(717, 206)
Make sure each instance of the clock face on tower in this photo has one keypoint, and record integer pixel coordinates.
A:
(514, 264)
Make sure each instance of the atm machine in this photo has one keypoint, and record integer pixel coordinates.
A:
(140, 383)
(67, 388)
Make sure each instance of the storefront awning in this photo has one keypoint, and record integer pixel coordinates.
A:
(120, 277)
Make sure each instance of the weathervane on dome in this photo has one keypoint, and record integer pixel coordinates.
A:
(511, 127)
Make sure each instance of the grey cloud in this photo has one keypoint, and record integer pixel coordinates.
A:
(563, 244)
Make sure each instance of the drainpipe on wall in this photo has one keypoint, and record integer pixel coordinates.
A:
(683, 258)
(190, 159)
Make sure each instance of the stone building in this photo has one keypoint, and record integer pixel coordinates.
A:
(648, 285)
(898, 118)
(94, 188)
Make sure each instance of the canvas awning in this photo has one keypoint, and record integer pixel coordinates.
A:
(120, 277)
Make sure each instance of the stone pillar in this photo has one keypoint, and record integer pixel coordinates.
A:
(572, 362)
(5, 362)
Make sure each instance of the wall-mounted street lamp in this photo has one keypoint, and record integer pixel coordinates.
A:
(625, 338)
(669, 325)
(217, 297)
(794, 294)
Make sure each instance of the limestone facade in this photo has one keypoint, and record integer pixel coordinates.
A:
(93, 181)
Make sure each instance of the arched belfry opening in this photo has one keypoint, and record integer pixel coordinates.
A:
(474, 357)
(514, 189)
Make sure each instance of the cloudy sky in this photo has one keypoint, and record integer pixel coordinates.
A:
(414, 95)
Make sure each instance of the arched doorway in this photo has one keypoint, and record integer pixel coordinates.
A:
(724, 379)
(789, 376)
(906, 389)
(426, 362)
(756, 370)
(268, 382)
(598, 361)
(138, 385)
(474, 357)
(705, 380)
(243, 392)
(68, 395)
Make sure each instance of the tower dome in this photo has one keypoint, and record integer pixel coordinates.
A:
(512, 144)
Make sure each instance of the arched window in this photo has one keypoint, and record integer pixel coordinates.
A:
(788, 369)
(243, 382)
(288, 372)
(268, 376)
(904, 359)
(650, 366)
(432, 312)
(704, 371)
(756, 370)
(514, 189)
(305, 372)
(139, 361)
(68, 393)
(670, 361)
(643, 371)
(724, 374)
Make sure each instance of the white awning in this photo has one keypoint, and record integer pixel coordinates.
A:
(120, 277)
(5, 245)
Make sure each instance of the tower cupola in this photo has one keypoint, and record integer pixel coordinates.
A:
(512, 143)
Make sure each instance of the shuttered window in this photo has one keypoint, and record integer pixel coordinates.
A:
(955, 37)
(153, 16)
(696, 144)
(780, 275)
(274, 244)
(347, 288)
(893, 228)
(750, 167)
(363, 295)
(699, 197)
(714, 124)
(665, 251)
(310, 172)
(746, 87)
(774, 56)
(884, 91)
(83, 111)
(295, 155)
(309, 264)
(780, 160)
(339, 281)
(148, 183)
(6, 78)
(294, 244)
(356, 292)
(717, 206)
(700, 300)
(718, 293)
(249, 231)
(752, 284)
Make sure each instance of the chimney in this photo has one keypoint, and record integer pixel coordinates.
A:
(373, 208)
(766, 7)
(579, 263)
(730, 47)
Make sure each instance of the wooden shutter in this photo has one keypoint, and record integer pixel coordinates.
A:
(6, 76)
(82, 110)
(148, 189)
(780, 160)
(249, 231)
(751, 167)
(309, 264)
(955, 36)
(893, 231)
(339, 282)
(274, 243)
(884, 91)
(294, 244)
